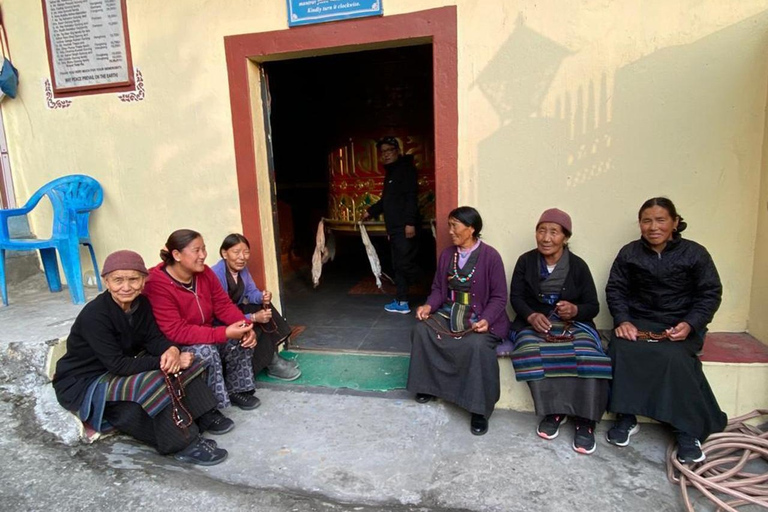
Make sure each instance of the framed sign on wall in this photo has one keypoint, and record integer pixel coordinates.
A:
(88, 46)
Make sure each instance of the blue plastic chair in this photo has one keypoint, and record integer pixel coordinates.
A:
(72, 197)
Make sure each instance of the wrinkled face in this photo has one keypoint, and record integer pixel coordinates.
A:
(657, 226)
(192, 257)
(550, 239)
(124, 286)
(388, 154)
(236, 257)
(461, 234)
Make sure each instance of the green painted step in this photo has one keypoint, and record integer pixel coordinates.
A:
(364, 372)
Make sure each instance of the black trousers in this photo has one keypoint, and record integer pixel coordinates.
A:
(404, 252)
(161, 432)
(268, 336)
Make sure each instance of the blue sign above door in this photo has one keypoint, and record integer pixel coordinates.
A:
(306, 12)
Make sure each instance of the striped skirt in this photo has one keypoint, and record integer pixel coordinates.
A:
(147, 389)
(534, 358)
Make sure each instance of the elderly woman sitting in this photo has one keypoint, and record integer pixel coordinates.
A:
(270, 327)
(120, 372)
(453, 353)
(556, 348)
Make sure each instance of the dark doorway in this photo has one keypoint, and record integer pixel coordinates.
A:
(322, 111)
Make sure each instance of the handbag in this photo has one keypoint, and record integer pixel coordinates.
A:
(9, 75)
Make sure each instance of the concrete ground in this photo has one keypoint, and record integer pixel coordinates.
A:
(305, 450)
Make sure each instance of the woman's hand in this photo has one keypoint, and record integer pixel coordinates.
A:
(566, 310)
(679, 332)
(539, 322)
(481, 326)
(626, 330)
(169, 360)
(249, 340)
(266, 297)
(238, 330)
(262, 317)
(186, 359)
(423, 312)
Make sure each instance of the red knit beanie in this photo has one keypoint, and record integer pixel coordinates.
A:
(558, 217)
(123, 260)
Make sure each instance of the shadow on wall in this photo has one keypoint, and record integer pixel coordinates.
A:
(679, 122)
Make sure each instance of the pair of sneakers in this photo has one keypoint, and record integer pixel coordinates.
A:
(688, 447)
(398, 306)
(583, 436)
(203, 452)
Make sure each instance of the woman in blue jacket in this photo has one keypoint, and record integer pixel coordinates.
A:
(270, 327)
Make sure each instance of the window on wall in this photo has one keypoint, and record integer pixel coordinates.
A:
(88, 46)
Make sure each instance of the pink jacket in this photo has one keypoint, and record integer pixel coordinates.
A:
(186, 317)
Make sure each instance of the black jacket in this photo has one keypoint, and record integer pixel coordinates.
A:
(679, 284)
(399, 200)
(101, 341)
(579, 289)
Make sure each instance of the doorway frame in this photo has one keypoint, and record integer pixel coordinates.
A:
(437, 27)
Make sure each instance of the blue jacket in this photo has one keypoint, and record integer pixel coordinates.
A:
(251, 292)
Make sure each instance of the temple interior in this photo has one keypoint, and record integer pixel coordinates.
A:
(325, 115)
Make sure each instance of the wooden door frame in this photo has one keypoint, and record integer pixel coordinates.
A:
(435, 26)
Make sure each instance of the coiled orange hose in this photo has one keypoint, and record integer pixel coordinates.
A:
(722, 476)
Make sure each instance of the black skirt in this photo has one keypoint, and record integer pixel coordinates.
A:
(585, 398)
(664, 381)
(269, 336)
(462, 371)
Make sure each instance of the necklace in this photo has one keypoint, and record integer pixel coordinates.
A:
(456, 275)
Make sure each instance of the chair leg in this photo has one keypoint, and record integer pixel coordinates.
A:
(51, 268)
(3, 288)
(95, 266)
(69, 250)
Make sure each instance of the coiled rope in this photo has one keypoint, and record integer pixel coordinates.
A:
(723, 472)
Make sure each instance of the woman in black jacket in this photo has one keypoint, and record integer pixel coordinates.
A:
(663, 290)
(556, 348)
(121, 373)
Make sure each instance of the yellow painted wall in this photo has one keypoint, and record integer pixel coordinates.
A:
(758, 319)
(588, 106)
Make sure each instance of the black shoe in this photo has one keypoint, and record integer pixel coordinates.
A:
(478, 425)
(214, 422)
(200, 452)
(688, 449)
(549, 428)
(244, 401)
(625, 426)
(584, 437)
(423, 398)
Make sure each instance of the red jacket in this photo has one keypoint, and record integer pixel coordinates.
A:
(186, 317)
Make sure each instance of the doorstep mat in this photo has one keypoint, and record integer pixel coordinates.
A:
(364, 372)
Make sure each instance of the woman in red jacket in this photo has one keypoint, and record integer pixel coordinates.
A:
(187, 299)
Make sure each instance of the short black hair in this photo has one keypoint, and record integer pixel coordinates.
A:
(469, 217)
(389, 140)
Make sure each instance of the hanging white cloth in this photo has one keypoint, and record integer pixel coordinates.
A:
(320, 255)
(370, 250)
